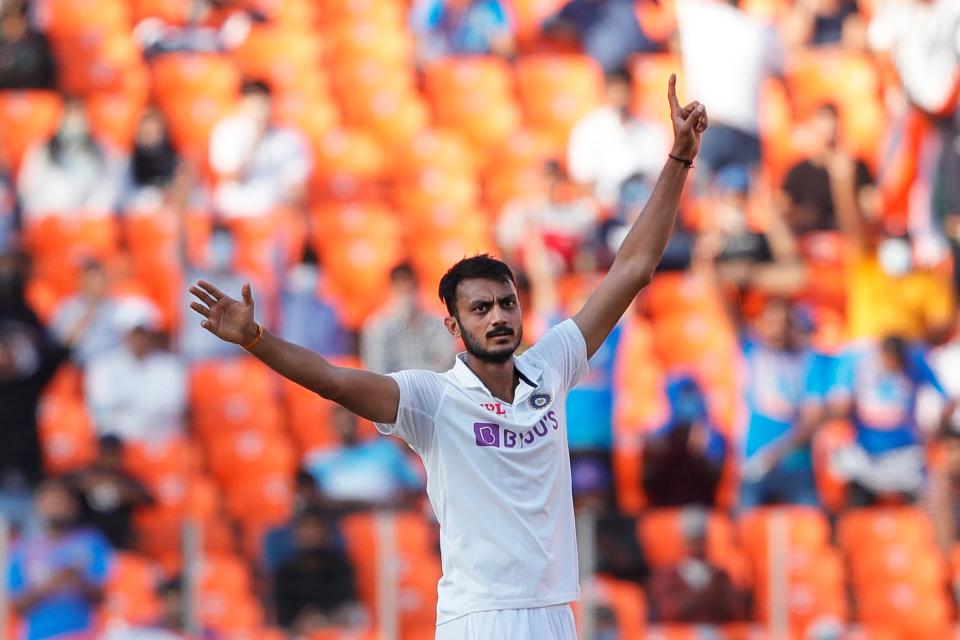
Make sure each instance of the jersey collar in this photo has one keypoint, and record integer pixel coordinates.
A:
(529, 377)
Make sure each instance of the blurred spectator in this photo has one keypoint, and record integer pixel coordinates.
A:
(607, 30)
(786, 384)
(195, 342)
(88, 318)
(554, 210)
(362, 474)
(733, 253)
(137, 391)
(944, 359)
(307, 319)
(888, 293)
(170, 625)
(209, 30)
(727, 54)
(279, 543)
(153, 164)
(819, 23)
(695, 591)
(259, 166)
(461, 27)
(9, 207)
(944, 498)
(316, 586)
(814, 185)
(109, 495)
(71, 172)
(683, 460)
(618, 550)
(29, 357)
(876, 386)
(26, 61)
(56, 574)
(609, 144)
(404, 335)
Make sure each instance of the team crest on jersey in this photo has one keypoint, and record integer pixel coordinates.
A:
(540, 400)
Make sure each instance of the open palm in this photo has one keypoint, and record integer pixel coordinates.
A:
(228, 319)
(689, 122)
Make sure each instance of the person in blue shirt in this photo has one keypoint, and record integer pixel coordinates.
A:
(683, 459)
(362, 474)
(56, 574)
(607, 30)
(448, 27)
(786, 384)
(876, 386)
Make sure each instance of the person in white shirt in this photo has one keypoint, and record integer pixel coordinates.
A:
(492, 430)
(87, 319)
(609, 144)
(137, 392)
(727, 54)
(259, 167)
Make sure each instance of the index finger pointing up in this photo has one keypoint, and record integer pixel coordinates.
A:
(672, 93)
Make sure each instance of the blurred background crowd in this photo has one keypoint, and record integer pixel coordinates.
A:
(770, 437)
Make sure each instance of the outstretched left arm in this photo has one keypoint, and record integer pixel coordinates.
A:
(644, 245)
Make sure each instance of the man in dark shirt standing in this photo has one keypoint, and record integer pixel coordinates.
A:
(26, 61)
(812, 186)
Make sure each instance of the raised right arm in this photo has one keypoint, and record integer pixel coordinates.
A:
(369, 395)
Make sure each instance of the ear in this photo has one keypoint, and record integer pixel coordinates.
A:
(452, 325)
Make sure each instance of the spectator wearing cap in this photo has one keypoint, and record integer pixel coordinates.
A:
(404, 335)
(259, 166)
(818, 184)
(610, 144)
(607, 30)
(137, 391)
(695, 590)
(109, 494)
(876, 387)
(71, 173)
(88, 318)
(57, 573)
(727, 54)
(26, 60)
(461, 27)
(683, 459)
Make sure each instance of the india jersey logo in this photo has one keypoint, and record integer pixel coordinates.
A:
(540, 400)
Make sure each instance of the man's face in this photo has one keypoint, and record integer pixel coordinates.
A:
(618, 95)
(140, 341)
(56, 506)
(774, 325)
(311, 534)
(488, 319)
(95, 282)
(257, 108)
(825, 129)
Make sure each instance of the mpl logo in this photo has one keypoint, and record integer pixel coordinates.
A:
(488, 434)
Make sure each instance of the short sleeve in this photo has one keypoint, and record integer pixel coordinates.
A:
(16, 576)
(420, 396)
(563, 349)
(923, 374)
(841, 386)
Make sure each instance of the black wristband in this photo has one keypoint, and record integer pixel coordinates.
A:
(687, 163)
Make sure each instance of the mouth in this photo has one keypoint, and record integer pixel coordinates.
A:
(493, 335)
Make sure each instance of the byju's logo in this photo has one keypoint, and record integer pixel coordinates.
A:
(488, 434)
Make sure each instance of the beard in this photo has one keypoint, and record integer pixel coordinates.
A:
(493, 356)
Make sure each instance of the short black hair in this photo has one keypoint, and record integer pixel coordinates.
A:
(619, 75)
(402, 271)
(828, 107)
(482, 266)
(253, 87)
(110, 442)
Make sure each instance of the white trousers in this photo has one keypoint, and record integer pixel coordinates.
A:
(543, 623)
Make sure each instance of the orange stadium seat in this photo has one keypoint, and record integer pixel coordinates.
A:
(153, 242)
(443, 221)
(473, 95)
(114, 118)
(682, 293)
(650, 73)
(130, 591)
(368, 40)
(437, 185)
(170, 11)
(162, 461)
(528, 17)
(891, 563)
(262, 499)
(284, 58)
(178, 75)
(236, 394)
(393, 116)
(251, 455)
(556, 91)
(93, 17)
(917, 614)
(640, 404)
(67, 437)
(309, 418)
(852, 82)
(390, 13)
(816, 596)
(108, 62)
(807, 533)
(628, 474)
(29, 117)
(191, 118)
(431, 258)
(432, 148)
(878, 525)
(299, 13)
(628, 603)
(348, 165)
(313, 114)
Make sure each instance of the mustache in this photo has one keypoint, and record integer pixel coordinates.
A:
(505, 331)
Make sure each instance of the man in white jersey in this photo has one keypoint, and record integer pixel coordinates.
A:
(492, 430)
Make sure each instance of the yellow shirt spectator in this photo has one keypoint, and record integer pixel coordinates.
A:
(879, 304)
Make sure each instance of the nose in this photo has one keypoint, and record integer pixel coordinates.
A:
(497, 317)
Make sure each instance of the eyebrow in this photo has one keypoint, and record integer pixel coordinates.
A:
(512, 297)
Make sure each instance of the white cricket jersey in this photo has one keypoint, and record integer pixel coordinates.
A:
(498, 477)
